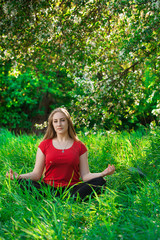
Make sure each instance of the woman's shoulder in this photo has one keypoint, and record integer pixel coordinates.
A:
(80, 145)
(45, 142)
(78, 142)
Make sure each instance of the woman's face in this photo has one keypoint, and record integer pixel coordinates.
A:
(60, 123)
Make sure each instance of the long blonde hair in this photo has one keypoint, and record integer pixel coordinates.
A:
(51, 133)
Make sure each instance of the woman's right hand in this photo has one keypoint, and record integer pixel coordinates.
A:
(11, 174)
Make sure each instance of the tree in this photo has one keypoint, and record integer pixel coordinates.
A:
(108, 46)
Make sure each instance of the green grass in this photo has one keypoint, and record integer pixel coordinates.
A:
(128, 209)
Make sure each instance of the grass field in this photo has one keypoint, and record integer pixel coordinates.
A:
(129, 208)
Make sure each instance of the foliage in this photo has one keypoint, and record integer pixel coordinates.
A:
(29, 97)
(128, 208)
(108, 52)
(121, 86)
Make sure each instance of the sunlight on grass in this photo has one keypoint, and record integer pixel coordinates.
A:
(128, 208)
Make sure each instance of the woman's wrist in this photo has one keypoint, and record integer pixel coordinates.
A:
(18, 177)
(102, 174)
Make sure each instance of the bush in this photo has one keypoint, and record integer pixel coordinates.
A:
(29, 97)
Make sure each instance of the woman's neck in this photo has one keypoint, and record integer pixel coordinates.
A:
(62, 138)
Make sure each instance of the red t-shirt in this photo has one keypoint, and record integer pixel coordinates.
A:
(62, 169)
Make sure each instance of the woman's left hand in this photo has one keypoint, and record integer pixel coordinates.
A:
(109, 170)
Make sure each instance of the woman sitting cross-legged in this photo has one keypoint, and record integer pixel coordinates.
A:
(64, 159)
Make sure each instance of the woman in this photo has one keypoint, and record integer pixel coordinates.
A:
(64, 160)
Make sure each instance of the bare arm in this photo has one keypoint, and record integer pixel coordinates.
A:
(36, 174)
(85, 173)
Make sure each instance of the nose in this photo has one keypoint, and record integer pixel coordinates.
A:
(59, 123)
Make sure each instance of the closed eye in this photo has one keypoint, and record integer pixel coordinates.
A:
(62, 120)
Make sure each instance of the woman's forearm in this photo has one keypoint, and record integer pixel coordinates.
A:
(31, 175)
(108, 171)
(90, 176)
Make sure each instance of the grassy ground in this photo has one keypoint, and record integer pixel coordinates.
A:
(128, 209)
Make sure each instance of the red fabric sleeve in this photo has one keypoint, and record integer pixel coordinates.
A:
(83, 149)
(43, 146)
